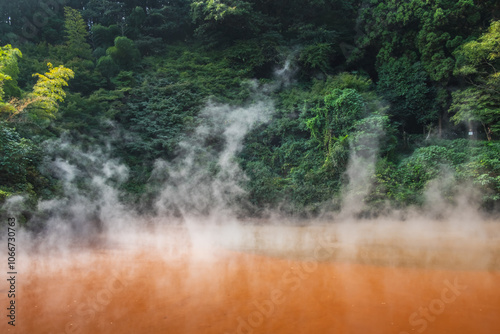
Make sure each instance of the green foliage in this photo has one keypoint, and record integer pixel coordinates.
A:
(209, 74)
(42, 101)
(9, 72)
(19, 158)
(124, 80)
(158, 107)
(404, 85)
(218, 10)
(484, 170)
(107, 66)
(15, 157)
(343, 80)
(465, 161)
(87, 118)
(473, 104)
(143, 73)
(265, 186)
(124, 52)
(104, 12)
(406, 182)
(102, 36)
(478, 61)
(159, 122)
(373, 136)
(222, 21)
(256, 54)
(481, 52)
(76, 35)
(168, 22)
(334, 120)
(317, 57)
(48, 91)
(136, 19)
(299, 153)
(437, 27)
(87, 77)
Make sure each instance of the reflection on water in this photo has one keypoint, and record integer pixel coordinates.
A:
(394, 244)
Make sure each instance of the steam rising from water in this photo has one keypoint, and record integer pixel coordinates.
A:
(361, 165)
(195, 244)
(207, 178)
(202, 190)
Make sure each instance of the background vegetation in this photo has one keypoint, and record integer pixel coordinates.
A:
(418, 76)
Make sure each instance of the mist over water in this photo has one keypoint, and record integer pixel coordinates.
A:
(189, 251)
(201, 195)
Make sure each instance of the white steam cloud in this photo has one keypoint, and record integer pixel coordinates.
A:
(206, 177)
(364, 149)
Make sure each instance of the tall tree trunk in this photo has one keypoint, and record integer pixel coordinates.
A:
(487, 131)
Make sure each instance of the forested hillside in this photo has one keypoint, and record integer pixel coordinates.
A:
(408, 89)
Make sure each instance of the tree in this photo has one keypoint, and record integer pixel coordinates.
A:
(333, 122)
(317, 57)
(105, 12)
(76, 35)
(134, 23)
(425, 31)
(169, 21)
(478, 62)
(107, 67)
(227, 20)
(218, 9)
(404, 85)
(49, 88)
(342, 108)
(124, 52)
(9, 71)
(476, 105)
(103, 37)
(16, 155)
(42, 102)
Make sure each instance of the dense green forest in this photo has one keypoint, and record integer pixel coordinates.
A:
(409, 87)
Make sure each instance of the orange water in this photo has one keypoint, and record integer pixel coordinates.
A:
(115, 291)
